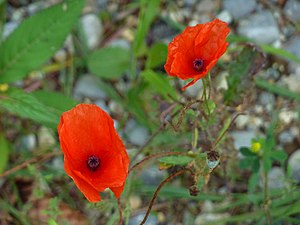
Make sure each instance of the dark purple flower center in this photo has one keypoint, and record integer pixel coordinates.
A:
(198, 64)
(93, 162)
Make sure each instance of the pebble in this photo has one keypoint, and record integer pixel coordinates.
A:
(294, 165)
(267, 100)
(194, 91)
(120, 43)
(221, 81)
(92, 30)
(136, 133)
(8, 28)
(137, 219)
(152, 176)
(293, 46)
(292, 9)
(242, 121)
(239, 8)
(292, 82)
(211, 217)
(285, 137)
(45, 137)
(87, 86)
(28, 142)
(102, 105)
(276, 178)
(261, 27)
(242, 138)
(135, 202)
(287, 116)
(225, 16)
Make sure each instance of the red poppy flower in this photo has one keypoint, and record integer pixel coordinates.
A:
(194, 52)
(94, 155)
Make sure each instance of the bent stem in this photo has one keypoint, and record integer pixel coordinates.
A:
(157, 155)
(157, 191)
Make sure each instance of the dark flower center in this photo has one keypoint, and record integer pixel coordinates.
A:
(93, 162)
(198, 64)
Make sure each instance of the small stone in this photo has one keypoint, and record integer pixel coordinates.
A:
(102, 105)
(242, 121)
(152, 176)
(267, 100)
(121, 43)
(261, 27)
(293, 46)
(276, 178)
(206, 218)
(285, 137)
(292, 9)
(287, 116)
(28, 142)
(9, 27)
(239, 8)
(135, 202)
(92, 30)
(225, 16)
(194, 91)
(294, 165)
(221, 81)
(292, 82)
(137, 219)
(46, 137)
(242, 138)
(137, 134)
(88, 86)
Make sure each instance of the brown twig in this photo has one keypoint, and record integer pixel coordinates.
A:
(169, 178)
(231, 123)
(39, 158)
(160, 154)
(120, 212)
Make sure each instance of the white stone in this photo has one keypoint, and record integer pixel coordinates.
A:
(294, 165)
(92, 30)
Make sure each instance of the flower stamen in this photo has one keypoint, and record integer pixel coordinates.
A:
(198, 64)
(93, 162)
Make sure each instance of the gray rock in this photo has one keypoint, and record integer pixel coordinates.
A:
(292, 9)
(260, 26)
(239, 8)
(225, 16)
(294, 165)
(267, 100)
(152, 176)
(293, 46)
(137, 219)
(8, 28)
(28, 142)
(92, 30)
(285, 137)
(136, 134)
(87, 86)
(242, 138)
(102, 105)
(276, 178)
(121, 43)
(292, 82)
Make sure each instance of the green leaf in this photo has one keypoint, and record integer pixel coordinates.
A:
(26, 106)
(176, 160)
(246, 151)
(148, 11)
(209, 107)
(279, 155)
(280, 52)
(109, 62)
(246, 163)
(55, 100)
(157, 55)
(2, 17)
(36, 40)
(4, 152)
(267, 163)
(159, 83)
(253, 181)
(282, 91)
(239, 79)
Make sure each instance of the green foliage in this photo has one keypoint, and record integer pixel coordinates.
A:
(4, 152)
(176, 160)
(109, 62)
(27, 106)
(157, 55)
(36, 40)
(273, 88)
(148, 11)
(237, 79)
(160, 84)
(280, 52)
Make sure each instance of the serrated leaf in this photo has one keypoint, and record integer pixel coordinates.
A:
(109, 62)
(176, 160)
(159, 83)
(4, 152)
(55, 100)
(36, 39)
(157, 55)
(26, 106)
